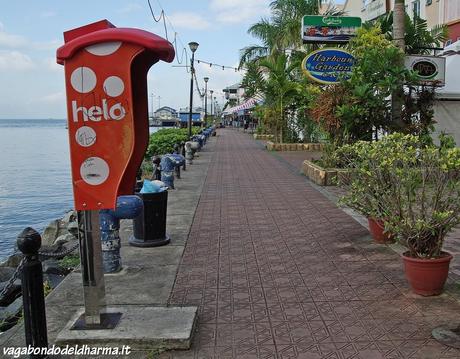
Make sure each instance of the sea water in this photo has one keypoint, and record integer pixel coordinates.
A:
(35, 179)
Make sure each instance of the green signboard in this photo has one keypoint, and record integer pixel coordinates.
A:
(329, 29)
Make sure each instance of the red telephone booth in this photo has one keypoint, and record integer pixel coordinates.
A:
(106, 83)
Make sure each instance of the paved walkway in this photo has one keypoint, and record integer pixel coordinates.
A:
(278, 271)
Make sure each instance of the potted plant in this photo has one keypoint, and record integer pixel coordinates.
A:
(417, 191)
(362, 195)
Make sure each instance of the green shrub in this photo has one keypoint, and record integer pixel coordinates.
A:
(412, 187)
(70, 262)
(163, 141)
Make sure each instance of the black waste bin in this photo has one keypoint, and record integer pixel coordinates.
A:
(149, 228)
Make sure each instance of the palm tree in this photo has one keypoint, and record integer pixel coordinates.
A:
(278, 87)
(253, 80)
(418, 38)
(269, 71)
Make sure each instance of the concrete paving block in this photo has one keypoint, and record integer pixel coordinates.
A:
(141, 328)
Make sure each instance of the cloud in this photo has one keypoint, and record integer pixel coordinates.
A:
(46, 45)
(47, 14)
(53, 98)
(15, 61)
(13, 41)
(50, 64)
(237, 11)
(129, 8)
(10, 40)
(218, 78)
(188, 20)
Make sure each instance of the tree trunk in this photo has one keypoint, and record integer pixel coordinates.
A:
(398, 39)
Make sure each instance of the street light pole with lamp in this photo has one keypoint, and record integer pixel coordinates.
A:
(206, 79)
(193, 46)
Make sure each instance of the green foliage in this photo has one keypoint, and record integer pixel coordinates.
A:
(355, 108)
(270, 72)
(253, 81)
(163, 141)
(413, 187)
(70, 262)
(47, 289)
(418, 38)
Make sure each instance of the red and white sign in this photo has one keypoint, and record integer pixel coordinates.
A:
(105, 71)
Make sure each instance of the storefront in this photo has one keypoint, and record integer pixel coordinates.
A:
(241, 115)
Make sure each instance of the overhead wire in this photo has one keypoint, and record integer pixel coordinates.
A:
(211, 64)
(183, 52)
(177, 38)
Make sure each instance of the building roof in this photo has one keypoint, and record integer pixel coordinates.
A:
(232, 87)
(166, 108)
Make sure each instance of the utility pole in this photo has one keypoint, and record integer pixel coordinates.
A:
(398, 39)
(206, 79)
(193, 46)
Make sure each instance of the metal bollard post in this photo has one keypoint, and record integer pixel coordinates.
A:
(33, 297)
(188, 153)
(167, 171)
(182, 144)
(156, 168)
(177, 168)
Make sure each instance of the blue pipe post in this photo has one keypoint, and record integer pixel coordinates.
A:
(167, 165)
(128, 207)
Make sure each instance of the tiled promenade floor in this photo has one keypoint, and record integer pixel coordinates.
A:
(295, 159)
(278, 271)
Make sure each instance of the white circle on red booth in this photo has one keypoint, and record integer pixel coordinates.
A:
(94, 171)
(85, 136)
(83, 79)
(104, 48)
(113, 86)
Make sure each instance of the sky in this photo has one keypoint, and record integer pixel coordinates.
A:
(32, 85)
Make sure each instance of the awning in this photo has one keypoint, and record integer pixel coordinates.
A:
(248, 104)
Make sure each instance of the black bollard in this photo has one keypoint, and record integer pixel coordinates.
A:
(149, 228)
(177, 151)
(157, 170)
(33, 297)
(183, 154)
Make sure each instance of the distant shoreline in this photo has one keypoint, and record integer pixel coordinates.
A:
(32, 119)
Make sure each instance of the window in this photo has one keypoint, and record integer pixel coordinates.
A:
(428, 2)
(448, 42)
(416, 8)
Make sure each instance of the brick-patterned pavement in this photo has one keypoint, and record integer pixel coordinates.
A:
(278, 271)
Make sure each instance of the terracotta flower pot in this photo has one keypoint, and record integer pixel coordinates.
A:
(427, 276)
(377, 227)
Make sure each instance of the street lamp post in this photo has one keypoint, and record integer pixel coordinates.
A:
(152, 104)
(211, 91)
(206, 79)
(193, 46)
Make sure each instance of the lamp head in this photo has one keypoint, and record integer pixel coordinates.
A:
(193, 46)
(206, 79)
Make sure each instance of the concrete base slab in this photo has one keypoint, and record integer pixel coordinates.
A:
(141, 328)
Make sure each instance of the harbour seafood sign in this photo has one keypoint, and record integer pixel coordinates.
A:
(328, 66)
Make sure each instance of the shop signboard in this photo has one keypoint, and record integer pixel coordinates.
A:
(372, 9)
(328, 66)
(329, 29)
(429, 69)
